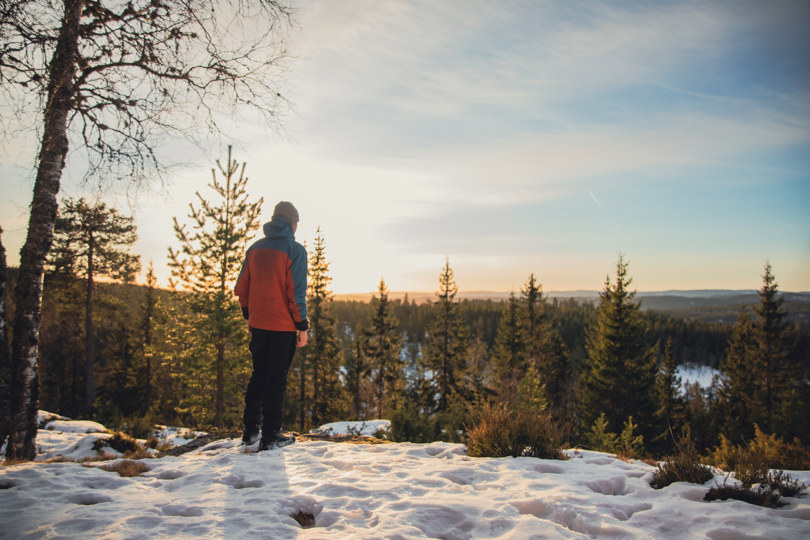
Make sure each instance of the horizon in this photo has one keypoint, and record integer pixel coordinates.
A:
(582, 293)
(514, 139)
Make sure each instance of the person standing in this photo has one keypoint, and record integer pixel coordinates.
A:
(272, 291)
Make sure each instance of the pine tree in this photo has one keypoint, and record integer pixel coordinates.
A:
(671, 408)
(534, 305)
(383, 341)
(600, 437)
(92, 241)
(531, 393)
(207, 266)
(323, 354)
(545, 349)
(770, 353)
(755, 372)
(357, 383)
(620, 376)
(447, 342)
(148, 307)
(510, 352)
(736, 386)
(554, 368)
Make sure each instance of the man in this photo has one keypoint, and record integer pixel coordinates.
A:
(272, 290)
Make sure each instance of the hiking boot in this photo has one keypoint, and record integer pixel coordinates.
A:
(249, 439)
(276, 441)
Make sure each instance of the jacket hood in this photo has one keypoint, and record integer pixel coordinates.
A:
(278, 227)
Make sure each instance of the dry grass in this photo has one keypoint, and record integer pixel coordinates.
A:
(126, 468)
(352, 439)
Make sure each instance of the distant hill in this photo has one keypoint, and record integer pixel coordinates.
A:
(714, 305)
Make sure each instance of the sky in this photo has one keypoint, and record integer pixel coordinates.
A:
(516, 138)
(363, 491)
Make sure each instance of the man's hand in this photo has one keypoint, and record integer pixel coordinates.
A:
(302, 338)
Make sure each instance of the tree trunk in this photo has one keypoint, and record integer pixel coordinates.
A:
(89, 331)
(28, 291)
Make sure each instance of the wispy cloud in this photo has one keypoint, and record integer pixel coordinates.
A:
(602, 208)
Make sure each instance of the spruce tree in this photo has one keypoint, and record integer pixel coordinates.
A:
(736, 385)
(446, 342)
(92, 241)
(323, 354)
(620, 374)
(510, 352)
(531, 393)
(357, 383)
(671, 409)
(383, 352)
(206, 267)
(534, 305)
(553, 366)
(770, 353)
(755, 372)
(545, 349)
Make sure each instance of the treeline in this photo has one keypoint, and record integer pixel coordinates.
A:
(432, 367)
(132, 356)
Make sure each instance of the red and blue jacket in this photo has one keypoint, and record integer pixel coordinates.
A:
(272, 285)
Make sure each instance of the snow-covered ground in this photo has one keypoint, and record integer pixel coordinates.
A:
(368, 491)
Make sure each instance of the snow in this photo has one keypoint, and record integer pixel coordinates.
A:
(366, 428)
(397, 490)
(175, 436)
(702, 375)
(79, 426)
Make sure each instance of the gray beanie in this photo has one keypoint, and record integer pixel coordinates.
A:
(286, 210)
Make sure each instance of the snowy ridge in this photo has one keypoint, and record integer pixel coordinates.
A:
(399, 490)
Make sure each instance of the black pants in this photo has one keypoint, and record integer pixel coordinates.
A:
(264, 399)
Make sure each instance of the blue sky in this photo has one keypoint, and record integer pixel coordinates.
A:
(530, 137)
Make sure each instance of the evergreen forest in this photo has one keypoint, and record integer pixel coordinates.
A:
(430, 367)
(604, 375)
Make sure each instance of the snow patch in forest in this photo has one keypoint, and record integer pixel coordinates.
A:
(366, 428)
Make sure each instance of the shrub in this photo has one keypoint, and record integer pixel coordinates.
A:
(758, 487)
(684, 466)
(501, 432)
(761, 495)
(762, 452)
